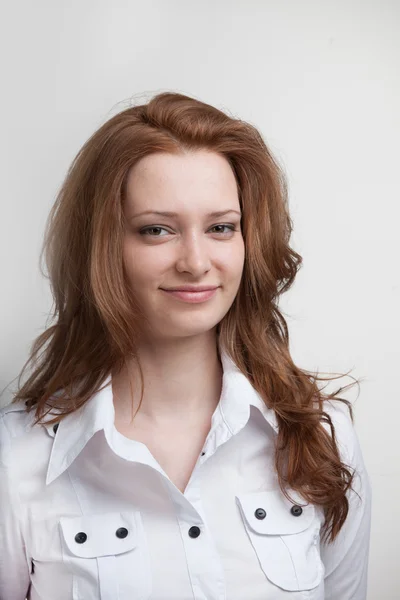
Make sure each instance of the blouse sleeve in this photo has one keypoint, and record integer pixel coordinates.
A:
(14, 571)
(346, 559)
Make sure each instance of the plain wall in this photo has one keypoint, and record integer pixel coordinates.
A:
(321, 81)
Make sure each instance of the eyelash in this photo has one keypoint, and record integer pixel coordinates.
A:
(145, 229)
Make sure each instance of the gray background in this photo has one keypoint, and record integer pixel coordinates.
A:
(321, 80)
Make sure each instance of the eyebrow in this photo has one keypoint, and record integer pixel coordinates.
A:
(163, 213)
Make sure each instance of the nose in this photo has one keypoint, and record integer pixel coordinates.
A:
(193, 255)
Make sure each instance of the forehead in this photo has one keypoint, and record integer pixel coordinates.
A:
(160, 179)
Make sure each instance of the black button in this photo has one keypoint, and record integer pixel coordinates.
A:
(296, 510)
(122, 532)
(55, 427)
(260, 513)
(203, 453)
(194, 532)
(80, 537)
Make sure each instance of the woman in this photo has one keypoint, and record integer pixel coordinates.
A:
(165, 445)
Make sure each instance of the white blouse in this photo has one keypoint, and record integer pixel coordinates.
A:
(87, 513)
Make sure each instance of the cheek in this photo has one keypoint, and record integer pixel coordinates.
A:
(142, 264)
(233, 261)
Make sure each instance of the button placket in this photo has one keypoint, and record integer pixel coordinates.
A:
(201, 553)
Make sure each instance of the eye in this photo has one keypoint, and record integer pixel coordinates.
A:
(146, 230)
(230, 227)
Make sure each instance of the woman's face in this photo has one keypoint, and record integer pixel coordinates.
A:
(189, 248)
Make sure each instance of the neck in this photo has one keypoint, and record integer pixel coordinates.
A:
(182, 382)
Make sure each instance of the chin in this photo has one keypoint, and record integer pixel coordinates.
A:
(191, 327)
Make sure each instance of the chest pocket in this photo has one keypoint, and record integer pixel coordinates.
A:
(107, 555)
(285, 537)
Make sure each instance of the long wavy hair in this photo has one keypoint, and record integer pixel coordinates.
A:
(96, 316)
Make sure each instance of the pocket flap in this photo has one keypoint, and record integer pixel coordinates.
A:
(90, 536)
(278, 519)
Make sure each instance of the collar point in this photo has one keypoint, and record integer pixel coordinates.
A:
(50, 478)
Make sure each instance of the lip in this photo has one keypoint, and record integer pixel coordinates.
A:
(191, 288)
(192, 297)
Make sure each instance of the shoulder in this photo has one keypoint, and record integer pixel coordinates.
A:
(344, 431)
(20, 437)
(14, 419)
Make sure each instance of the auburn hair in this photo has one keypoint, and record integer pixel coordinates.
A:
(96, 316)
